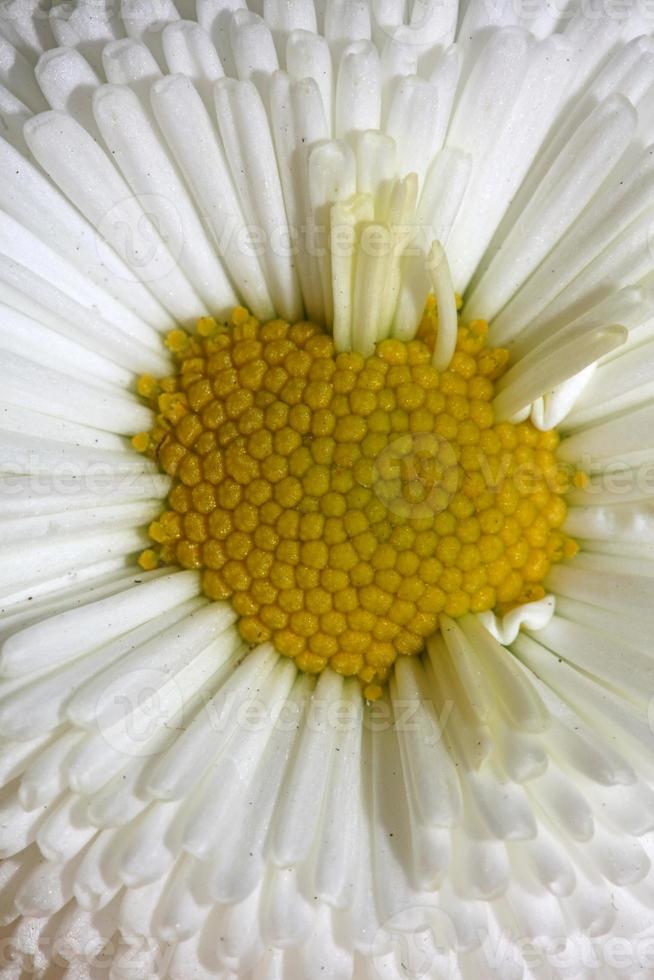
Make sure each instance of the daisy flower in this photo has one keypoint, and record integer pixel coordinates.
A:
(326, 434)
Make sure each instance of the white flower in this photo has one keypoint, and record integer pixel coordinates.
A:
(173, 804)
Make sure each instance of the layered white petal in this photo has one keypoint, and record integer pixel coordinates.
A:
(169, 799)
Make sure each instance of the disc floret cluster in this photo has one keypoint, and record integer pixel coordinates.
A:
(342, 504)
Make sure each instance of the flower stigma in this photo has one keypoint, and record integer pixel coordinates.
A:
(342, 503)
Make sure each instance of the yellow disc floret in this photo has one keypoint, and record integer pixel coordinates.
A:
(343, 503)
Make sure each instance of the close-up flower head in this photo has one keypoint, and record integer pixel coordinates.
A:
(326, 490)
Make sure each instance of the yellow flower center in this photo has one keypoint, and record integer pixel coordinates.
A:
(343, 503)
